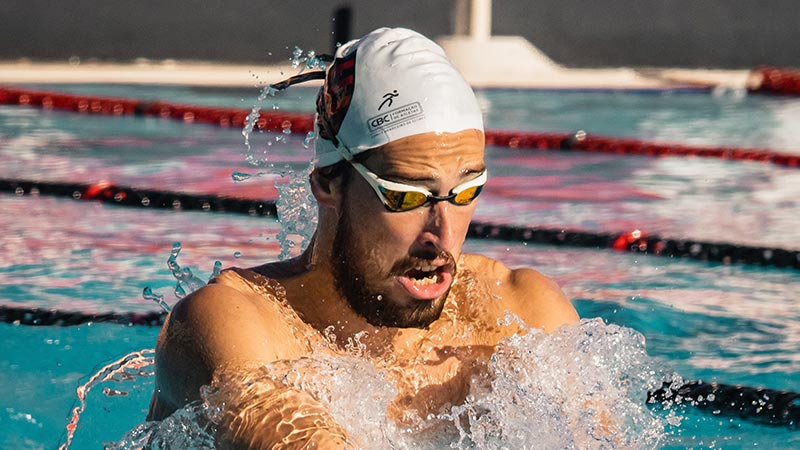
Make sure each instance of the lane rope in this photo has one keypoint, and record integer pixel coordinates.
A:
(18, 315)
(635, 241)
(777, 80)
(145, 198)
(767, 406)
(579, 141)
(762, 405)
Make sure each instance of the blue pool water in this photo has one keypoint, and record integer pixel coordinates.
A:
(731, 324)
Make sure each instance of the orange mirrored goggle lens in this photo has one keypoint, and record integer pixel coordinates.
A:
(405, 201)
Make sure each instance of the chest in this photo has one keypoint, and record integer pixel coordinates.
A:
(434, 370)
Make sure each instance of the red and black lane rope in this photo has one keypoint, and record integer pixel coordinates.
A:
(584, 142)
(777, 80)
(633, 241)
(638, 242)
(143, 198)
(767, 406)
(224, 117)
(303, 123)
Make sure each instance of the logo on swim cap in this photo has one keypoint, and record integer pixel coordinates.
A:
(395, 118)
(388, 98)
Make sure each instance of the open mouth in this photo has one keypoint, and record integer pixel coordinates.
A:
(427, 281)
(423, 278)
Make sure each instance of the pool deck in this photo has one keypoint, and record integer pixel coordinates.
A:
(509, 62)
(240, 75)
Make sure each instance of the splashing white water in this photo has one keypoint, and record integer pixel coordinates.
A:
(297, 208)
(582, 387)
(297, 212)
(186, 281)
(134, 365)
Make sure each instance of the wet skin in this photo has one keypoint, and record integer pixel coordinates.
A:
(278, 311)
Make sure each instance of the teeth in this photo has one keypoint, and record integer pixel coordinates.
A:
(427, 267)
(433, 279)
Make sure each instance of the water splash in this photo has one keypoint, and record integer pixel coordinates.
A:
(186, 281)
(309, 139)
(297, 212)
(585, 386)
(250, 124)
(186, 429)
(582, 387)
(240, 176)
(134, 365)
(308, 59)
(216, 270)
(158, 299)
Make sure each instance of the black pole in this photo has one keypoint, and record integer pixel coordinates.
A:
(341, 25)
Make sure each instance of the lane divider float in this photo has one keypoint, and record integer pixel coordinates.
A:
(144, 198)
(776, 80)
(579, 141)
(635, 241)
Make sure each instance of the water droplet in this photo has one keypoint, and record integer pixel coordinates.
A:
(216, 270)
(308, 139)
(240, 176)
(149, 295)
(179, 291)
(237, 255)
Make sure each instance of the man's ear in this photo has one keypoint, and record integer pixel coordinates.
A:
(325, 189)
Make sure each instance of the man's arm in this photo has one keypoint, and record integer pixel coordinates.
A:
(533, 297)
(539, 301)
(265, 414)
(220, 328)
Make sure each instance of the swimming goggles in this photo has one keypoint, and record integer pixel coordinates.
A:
(397, 197)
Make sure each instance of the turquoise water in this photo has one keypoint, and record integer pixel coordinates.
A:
(729, 324)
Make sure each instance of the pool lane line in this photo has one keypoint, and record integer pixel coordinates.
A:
(766, 406)
(19, 315)
(777, 80)
(773, 407)
(635, 241)
(579, 141)
(145, 198)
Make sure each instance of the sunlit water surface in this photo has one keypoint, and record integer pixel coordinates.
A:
(726, 323)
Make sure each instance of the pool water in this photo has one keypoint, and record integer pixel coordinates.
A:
(732, 324)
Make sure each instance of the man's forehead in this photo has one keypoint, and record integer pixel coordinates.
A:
(464, 148)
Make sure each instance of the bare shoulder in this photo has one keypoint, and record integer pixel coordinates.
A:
(534, 297)
(219, 325)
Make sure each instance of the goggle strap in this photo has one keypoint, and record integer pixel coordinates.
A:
(303, 77)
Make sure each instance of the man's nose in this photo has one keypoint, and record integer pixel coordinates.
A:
(438, 231)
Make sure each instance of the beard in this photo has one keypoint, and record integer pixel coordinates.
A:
(355, 265)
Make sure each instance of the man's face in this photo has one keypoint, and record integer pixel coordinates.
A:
(396, 268)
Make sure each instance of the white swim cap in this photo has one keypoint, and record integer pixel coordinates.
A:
(390, 84)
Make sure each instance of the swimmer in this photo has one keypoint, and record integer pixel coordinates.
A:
(400, 164)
